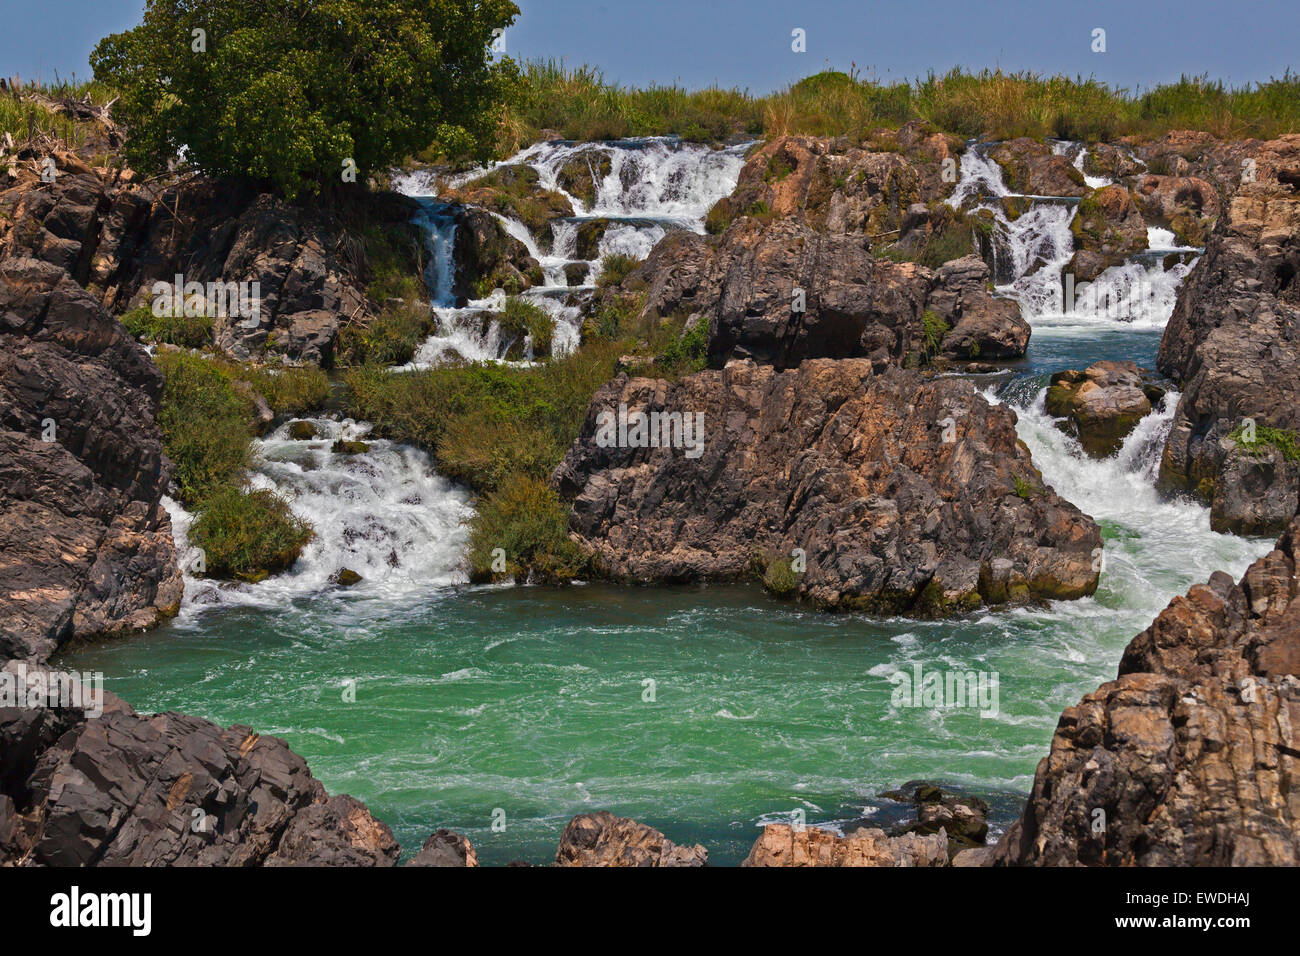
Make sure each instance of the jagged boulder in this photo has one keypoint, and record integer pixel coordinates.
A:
(1030, 167)
(119, 788)
(85, 543)
(603, 839)
(1191, 756)
(445, 848)
(784, 845)
(901, 494)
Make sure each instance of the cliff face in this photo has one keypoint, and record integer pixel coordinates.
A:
(85, 545)
(904, 494)
(1234, 345)
(1191, 757)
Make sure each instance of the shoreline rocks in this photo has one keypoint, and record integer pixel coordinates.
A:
(1191, 756)
(783, 845)
(603, 839)
(898, 494)
(1102, 404)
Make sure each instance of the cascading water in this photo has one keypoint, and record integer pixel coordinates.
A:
(652, 186)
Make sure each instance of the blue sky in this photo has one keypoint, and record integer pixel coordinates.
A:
(746, 43)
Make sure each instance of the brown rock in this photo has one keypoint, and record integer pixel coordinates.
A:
(445, 848)
(602, 839)
(784, 845)
(1101, 404)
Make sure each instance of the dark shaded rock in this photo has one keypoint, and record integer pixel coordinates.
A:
(302, 431)
(1191, 756)
(852, 468)
(602, 839)
(85, 544)
(342, 446)
(445, 848)
(980, 326)
(487, 257)
(963, 818)
(1030, 167)
(345, 578)
(125, 789)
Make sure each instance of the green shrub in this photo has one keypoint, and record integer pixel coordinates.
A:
(289, 391)
(614, 268)
(526, 520)
(520, 318)
(248, 535)
(482, 450)
(779, 577)
(187, 331)
(1284, 440)
(389, 338)
(1025, 489)
(204, 423)
(688, 352)
(933, 329)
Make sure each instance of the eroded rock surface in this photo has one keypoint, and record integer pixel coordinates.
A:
(903, 494)
(784, 845)
(1191, 756)
(1102, 404)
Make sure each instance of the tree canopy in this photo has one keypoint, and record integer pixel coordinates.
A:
(287, 91)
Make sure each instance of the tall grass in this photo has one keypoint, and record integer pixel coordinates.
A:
(24, 119)
(580, 103)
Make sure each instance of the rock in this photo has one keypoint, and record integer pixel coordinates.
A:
(514, 191)
(1101, 404)
(345, 577)
(1108, 228)
(980, 325)
(849, 466)
(783, 845)
(575, 273)
(602, 839)
(1191, 756)
(963, 818)
(1185, 204)
(85, 543)
(1031, 168)
(302, 431)
(582, 173)
(487, 257)
(445, 848)
(780, 293)
(1233, 345)
(587, 240)
(343, 446)
(125, 789)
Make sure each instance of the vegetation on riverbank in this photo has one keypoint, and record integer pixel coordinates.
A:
(579, 103)
(205, 420)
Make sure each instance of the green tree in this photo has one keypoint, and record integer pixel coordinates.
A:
(285, 91)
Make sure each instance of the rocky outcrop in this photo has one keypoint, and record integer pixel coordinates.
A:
(780, 293)
(784, 845)
(118, 236)
(964, 819)
(487, 257)
(85, 544)
(979, 325)
(901, 494)
(1108, 228)
(1032, 168)
(514, 191)
(1191, 756)
(1233, 344)
(602, 839)
(838, 186)
(445, 848)
(1102, 404)
(117, 788)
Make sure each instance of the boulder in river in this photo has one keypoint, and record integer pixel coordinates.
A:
(603, 839)
(889, 492)
(445, 848)
(1102, 404)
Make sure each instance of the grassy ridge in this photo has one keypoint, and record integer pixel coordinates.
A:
(580, 103)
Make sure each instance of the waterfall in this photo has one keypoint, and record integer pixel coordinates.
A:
(383, 513)
(652, 186)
